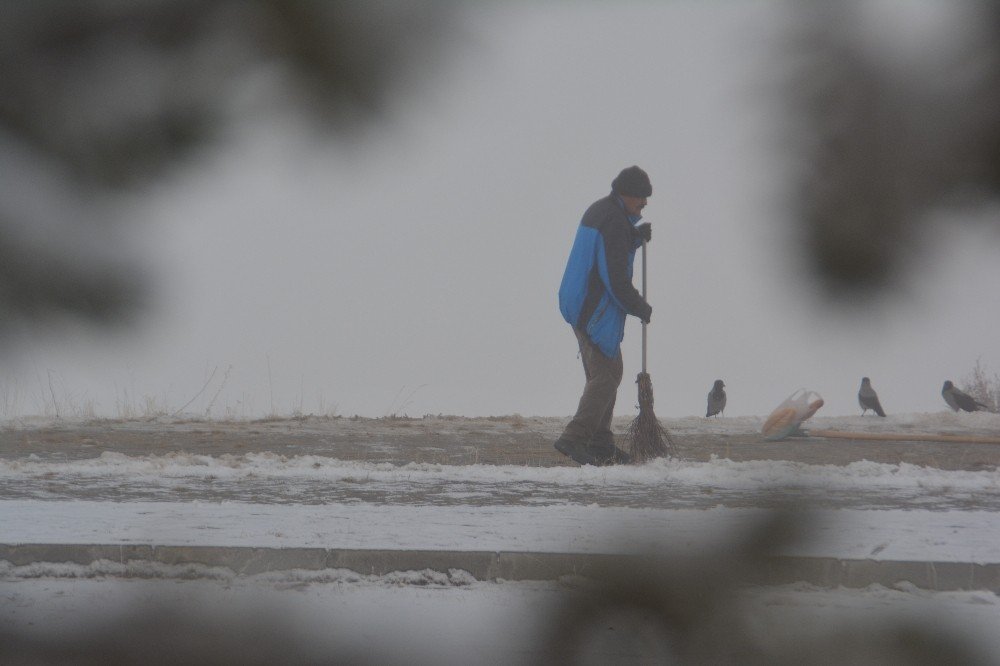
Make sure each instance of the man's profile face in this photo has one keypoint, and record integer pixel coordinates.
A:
(633, 205)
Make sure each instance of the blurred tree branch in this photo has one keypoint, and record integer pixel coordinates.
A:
(102, 95)
(881, 146)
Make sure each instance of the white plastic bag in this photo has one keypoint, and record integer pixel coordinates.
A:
(789, 415)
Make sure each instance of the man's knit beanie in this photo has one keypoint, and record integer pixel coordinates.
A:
(632, 182)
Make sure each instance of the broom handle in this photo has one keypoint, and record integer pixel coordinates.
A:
(644, 298)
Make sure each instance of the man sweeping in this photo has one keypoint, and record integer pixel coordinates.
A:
(595, 296)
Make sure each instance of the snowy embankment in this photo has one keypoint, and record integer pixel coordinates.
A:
(863, 509)
(276, 473)
(110, 467)
(272, 478)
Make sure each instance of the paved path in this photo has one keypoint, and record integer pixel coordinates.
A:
(933, 550)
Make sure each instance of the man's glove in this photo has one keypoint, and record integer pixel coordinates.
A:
(646, 314)
(644, 232)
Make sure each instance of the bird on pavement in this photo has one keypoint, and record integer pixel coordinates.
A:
(868, 398)
(958, 400)
(716, 399)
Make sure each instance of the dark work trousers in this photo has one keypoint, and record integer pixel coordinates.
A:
(592, 422)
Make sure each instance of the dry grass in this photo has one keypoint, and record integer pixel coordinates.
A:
(982, 386)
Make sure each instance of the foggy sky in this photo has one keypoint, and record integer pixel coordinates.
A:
(414, 268)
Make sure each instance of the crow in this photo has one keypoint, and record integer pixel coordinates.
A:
(716, 399)
(868, 399)
(958, 400)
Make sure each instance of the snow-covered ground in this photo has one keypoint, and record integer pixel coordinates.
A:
(275, 474)
(274, 478)
(426, 618)
(861, 510)
(267, 498)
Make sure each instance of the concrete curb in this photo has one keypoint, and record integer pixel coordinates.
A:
(503, 565)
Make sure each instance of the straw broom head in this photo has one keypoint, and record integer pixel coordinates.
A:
(647, 439)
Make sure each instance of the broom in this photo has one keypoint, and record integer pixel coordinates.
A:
(647, 439)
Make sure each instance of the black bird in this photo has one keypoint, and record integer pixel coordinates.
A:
(958, 400)
(868, 398)
(716, 399)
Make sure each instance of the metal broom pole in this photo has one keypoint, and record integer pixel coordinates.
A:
(646, 437)
(647, 300)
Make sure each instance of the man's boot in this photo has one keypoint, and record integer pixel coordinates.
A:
(578, 451)
(603, 448)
